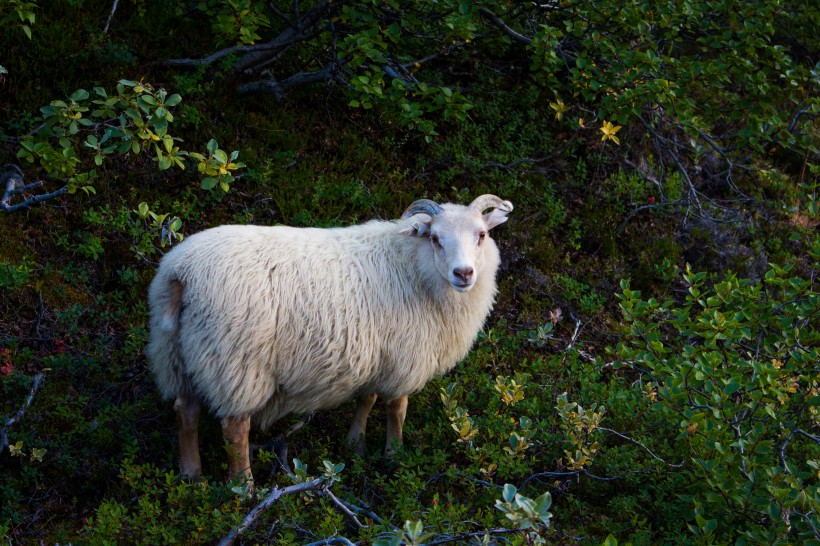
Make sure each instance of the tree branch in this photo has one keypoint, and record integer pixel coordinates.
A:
(111, 16)
(35, 386)
(14, 181)
(278, 88)
(504, 28)
(33, 200)
(298, 30)
(261, 508)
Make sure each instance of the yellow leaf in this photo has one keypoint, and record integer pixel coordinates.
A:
(609, 130)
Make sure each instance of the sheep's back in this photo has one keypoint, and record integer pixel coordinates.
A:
(269, 319)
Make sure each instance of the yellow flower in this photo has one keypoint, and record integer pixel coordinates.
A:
(609, 131)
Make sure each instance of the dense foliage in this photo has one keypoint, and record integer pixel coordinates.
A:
(650, 372)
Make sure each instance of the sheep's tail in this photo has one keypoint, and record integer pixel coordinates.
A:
(165, 301)
(170, 315)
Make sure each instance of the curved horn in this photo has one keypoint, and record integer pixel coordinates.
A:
(483, 202)
(423, 206)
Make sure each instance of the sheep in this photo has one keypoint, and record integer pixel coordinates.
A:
(259, 322)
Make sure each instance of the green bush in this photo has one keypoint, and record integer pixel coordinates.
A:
(734, 365)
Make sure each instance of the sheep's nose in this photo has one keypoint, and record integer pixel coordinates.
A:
(463, 273)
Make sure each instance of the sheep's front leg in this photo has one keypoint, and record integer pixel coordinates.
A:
(396, 411)
(236, 430)
(187, 408)
(356, 435)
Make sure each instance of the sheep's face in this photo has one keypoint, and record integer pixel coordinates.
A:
(457, 237)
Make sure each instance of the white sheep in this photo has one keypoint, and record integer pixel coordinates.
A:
(264, 321)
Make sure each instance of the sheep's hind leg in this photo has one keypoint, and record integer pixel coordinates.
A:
(396, 411)
(356, 436)
(236, 430)
(187, 407)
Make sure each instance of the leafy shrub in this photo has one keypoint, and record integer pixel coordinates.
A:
(735, 367)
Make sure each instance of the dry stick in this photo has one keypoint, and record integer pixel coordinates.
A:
(111, 16)
(278, 88)
(4, 439)
(13, 189)
(34, 200)
(334, 540)
(261, 508)
(636, 442)
(504, 27)
(343, 508)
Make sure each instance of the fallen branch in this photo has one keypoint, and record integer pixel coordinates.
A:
(14, 180)
(111, 16)
(34, 200)
(252, 55)
(504, 27)
(261, 508)
(278, 88)
(35, 386)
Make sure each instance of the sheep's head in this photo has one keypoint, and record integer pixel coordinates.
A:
(457, 234)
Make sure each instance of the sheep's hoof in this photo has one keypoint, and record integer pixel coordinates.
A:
(358, 445)
(391, 449)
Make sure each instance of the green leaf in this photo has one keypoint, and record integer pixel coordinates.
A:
(610, 541)
(732, 386)
(509, 492)
(208, 183)
(173, 100)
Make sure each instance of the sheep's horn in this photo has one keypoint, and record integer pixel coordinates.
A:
(423, 206)
(483, 202)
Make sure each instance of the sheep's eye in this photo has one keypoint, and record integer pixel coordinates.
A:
(481, 235)
(435, 240)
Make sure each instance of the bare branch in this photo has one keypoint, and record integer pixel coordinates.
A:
(278, 88)
(298, 31)
(504, 28)
(261, 508)
(16, 416)
(111, 16)
(636, 442)
(343, 508)
(14, 181)
(334, 540)
(34, 200)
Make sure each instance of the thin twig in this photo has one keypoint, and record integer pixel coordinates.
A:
(504, 27)
(343, 508)
(636, 442)
(334, 540)
(16, 416)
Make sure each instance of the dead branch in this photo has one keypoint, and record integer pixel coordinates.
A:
(504, 27)
(278, 88)
(16, 416)
(342, 507)
(111, 16)
(14, 181)
(261, 508)
(299, 29)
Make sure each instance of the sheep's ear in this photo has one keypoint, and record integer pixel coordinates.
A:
(495, 217)
(419, 228)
